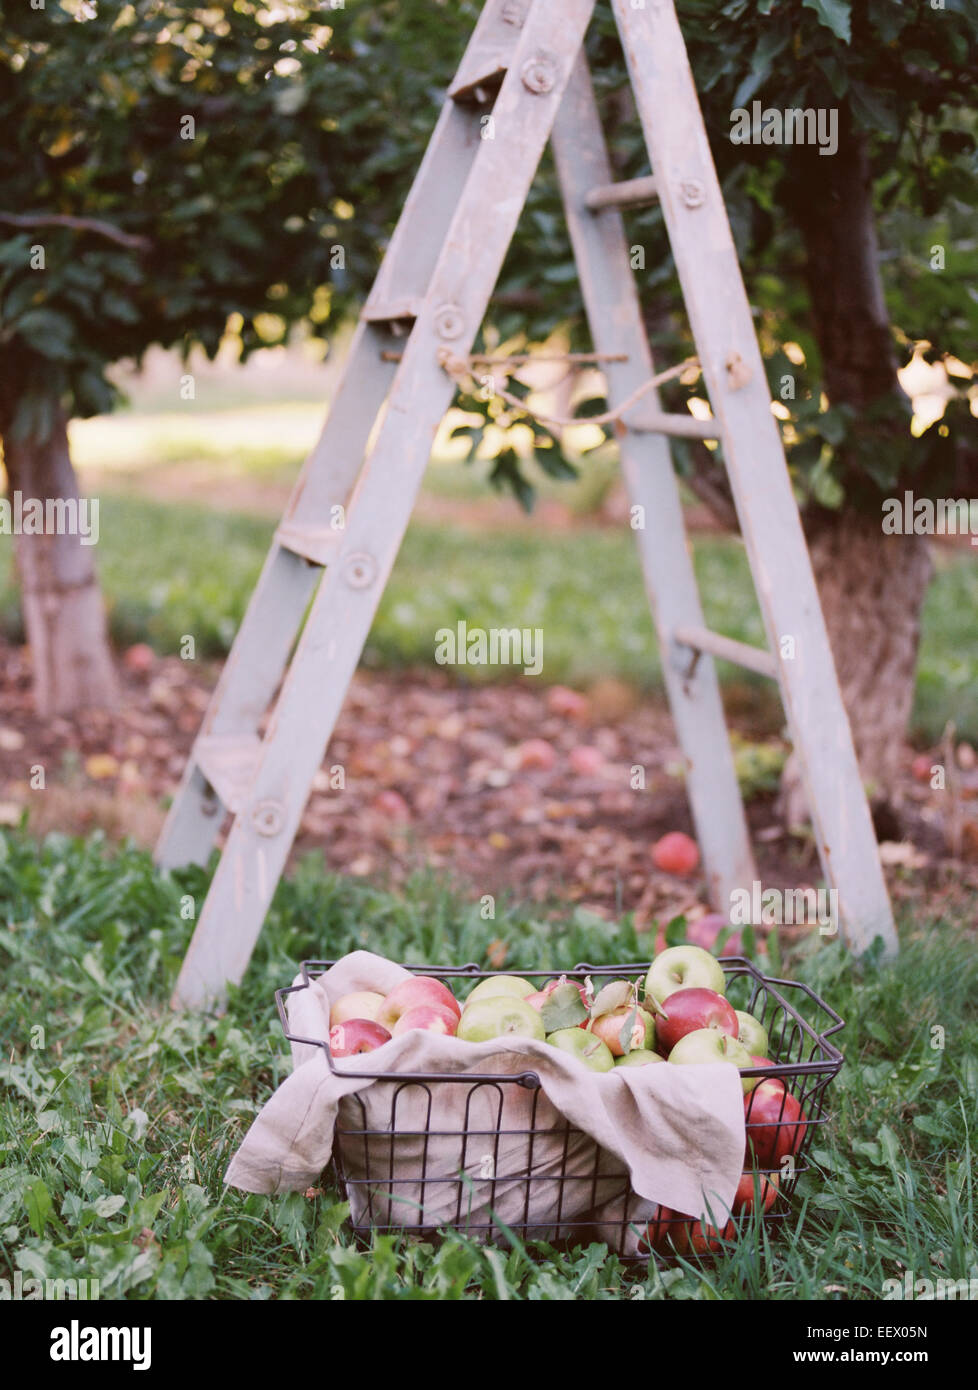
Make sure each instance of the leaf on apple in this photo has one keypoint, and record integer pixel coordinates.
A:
(564, 1009)
(612, 997)
(625, 1036)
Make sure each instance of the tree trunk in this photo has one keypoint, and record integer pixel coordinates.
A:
(63, 613)
(872, 585)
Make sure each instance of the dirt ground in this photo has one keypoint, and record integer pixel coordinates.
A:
(489, 784)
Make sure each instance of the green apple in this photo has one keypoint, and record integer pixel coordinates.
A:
(510, 985)
(682, 967)
(641, 1057)
(584, 1046)
(500, 1016)
(707, 1045)
(752, 1034)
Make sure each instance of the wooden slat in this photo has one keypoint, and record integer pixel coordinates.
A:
(629, 193)
(615, 318)
(645, 421)
(228, 763)
(701, 639)
(726, 343)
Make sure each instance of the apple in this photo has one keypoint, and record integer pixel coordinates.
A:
(697, 1238)
(496, 985)
(585, 760)
(922, 767)
(688, 1011)
(391, 805)
(705, 931)
(676, 854)
(500, 1016)
(640, 1057)
(775, 1123)
(356, 1035)
(432, 1018)
(767, 1190)
(710, 1045)
(141, 658)
(363, 1004)
(608, 1027)
(569, 704)
(410, 994)
(584, 1046)
(536, 754)
(683, 967)
(752, 1034)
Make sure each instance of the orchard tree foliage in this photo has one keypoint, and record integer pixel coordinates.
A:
(248, 158)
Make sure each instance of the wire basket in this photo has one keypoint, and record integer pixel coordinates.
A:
(544, 1178)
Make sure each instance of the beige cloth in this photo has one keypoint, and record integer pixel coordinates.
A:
(674, 1134)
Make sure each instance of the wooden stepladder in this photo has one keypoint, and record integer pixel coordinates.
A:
(525, 64)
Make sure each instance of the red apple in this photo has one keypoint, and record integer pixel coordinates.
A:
(775, 1123)
(921, 767)
(608, 1027)
(356, 1035)
(768, 1191)
(585, 760)
(536, 754)
(363, 1004)
(676, 854)
(391, 805)
(540, 997)
(706, 930)
(696, 1239)
(688, 1010)
(432, 1018)
(569, 704)
(141, 658)
(411, 994)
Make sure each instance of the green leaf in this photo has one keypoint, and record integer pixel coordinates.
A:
(835, 15)
(612, 997)
(564, 1009)
(625, 1036)
(40, 1208)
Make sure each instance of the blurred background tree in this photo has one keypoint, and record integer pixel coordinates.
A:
(308, 124)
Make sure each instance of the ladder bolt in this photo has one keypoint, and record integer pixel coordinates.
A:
(692, 192)
(449, 321)
(539, 74)
(360, 570)
(268, 817)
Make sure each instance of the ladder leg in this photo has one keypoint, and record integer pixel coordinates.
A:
(709, 272)
(329, 648)
(615, 318)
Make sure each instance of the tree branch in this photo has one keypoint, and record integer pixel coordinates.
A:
(78, 224)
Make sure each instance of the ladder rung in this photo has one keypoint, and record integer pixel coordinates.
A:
(391, 310)
(679, 426)
(228, 762)
(701, 639)
(481, 86)
(315, 543)
(629, 194)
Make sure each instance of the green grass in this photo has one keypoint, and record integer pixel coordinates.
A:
(118, 1118)
(170, 570)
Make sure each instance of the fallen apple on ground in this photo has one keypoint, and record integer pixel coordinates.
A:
(584, 1046)
(363, 1004)
(752, 1034)
(430, 1018)
(688, 1011)
(500, 1016)
(411, 994)
(683, 967)
(357, 1035)
(676, 853)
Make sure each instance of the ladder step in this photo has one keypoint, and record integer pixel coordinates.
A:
(391, 310)
(701, 639)
(629, 194)
(314, 543)
(679, 426)
(228, 762)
